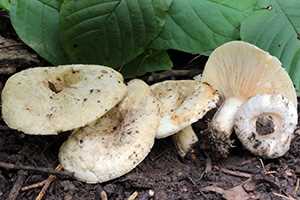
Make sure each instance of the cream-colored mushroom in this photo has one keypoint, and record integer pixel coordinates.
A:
(184, 140)
(239, 70)
(49, 100)
(116, 143)
(182, 103)
(265, 125)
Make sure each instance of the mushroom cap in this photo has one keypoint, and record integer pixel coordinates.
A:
(49, 100)
(239, 69)
(182, 103)
(116, 143)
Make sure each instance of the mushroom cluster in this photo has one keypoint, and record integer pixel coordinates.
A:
(247, 79)
(114, 125)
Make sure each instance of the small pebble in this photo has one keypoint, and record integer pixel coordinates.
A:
(151, 193)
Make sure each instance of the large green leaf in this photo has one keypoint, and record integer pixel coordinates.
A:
(109, 32)
(150, 61)
(114, 32)
(37, 24)
(277, 30)
(199, 26)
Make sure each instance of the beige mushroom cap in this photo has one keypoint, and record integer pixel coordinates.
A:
(117, 142)
(182, 103)
(49, 100)
(239, 69)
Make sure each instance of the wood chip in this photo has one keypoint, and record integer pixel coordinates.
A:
(103, 195)
(133, 196)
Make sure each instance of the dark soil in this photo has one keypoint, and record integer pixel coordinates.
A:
(241, 176)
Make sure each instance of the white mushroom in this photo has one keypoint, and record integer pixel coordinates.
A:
(116, 143)
(184, 140)
(49, 100)
(265, 125)
(181, 104)
(238, 71)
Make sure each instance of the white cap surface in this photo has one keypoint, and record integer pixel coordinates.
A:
(49, 100)
(116, 143)
(182, 103)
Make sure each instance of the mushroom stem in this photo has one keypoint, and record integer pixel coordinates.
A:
(222, 125)
(265, 125)
(184, 140)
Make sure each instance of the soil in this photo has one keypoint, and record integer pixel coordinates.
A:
(162, 175)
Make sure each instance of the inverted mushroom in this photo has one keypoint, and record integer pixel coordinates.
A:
(49, 100)
(265, 125)
(117, 142)
(182, 103)
(238, 71)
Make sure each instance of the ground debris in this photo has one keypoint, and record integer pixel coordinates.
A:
(14, 192)
(235, 193)
(14, 55)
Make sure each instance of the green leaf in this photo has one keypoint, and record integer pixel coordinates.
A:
(37, 24)
(109, 32)
(198, 26)
(277, 31)
(150, 61)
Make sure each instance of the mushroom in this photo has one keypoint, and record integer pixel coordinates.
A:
(238, 71)
(265, 125)
(184, 140)
(182, 103)
(117, 142)
(49, 100)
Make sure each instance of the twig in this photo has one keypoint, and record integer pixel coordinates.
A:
(33, 186)
(283, 196)
(14, 192)
(236, 173)
(10, 166)
(263, 165)
(270, 172)
(195, 58)
(48, 182)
